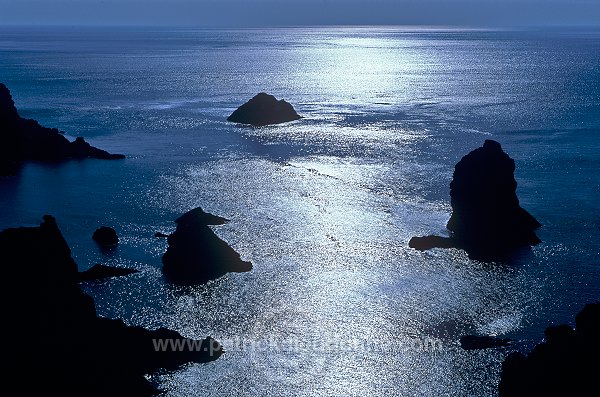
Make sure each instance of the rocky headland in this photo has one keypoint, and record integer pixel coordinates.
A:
(26, 140)
(565, 363)
(53, 340)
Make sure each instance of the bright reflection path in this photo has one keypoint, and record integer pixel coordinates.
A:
(335, 296)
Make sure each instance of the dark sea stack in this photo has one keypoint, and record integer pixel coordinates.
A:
(105, 236)
(565, 363)
(24, 139)
(52, 337)
(264, 109)
(487, 220)
(195, 254)
(101, 272)
(476, 342)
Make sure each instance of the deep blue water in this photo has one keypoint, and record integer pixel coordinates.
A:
(337, 304)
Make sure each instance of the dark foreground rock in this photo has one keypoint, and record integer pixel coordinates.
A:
(105, 236)
(475, 342)
(264, 109)
(195, 254)
(24, 139)
(53, 341)
(100, 272)
(566, 363)
(487, 220)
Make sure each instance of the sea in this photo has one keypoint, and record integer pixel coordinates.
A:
(336, 304)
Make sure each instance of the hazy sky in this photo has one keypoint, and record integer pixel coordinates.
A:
(301, 12)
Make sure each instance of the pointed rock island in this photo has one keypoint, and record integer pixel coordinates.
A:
(195, 254)
(25, 139)
(264, 109)
(487, 220)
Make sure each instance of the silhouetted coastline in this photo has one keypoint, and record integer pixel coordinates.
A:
(565, 363)
(25, 139)
(53, 339)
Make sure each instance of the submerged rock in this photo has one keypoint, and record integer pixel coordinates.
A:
(195, 254)
(564, 364)
(105, 236)
(24, 139)
(474, 342)
(487, 220)
(264, 109)
(99, 272)
(53, 338)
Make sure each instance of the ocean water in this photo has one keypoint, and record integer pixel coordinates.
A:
(336, 304)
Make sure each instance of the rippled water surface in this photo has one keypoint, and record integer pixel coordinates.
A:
(336, 304)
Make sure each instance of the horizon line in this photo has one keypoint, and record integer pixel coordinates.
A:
(457, 27)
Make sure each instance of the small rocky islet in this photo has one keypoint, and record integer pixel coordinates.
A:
(105, 236)
(264, 109)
